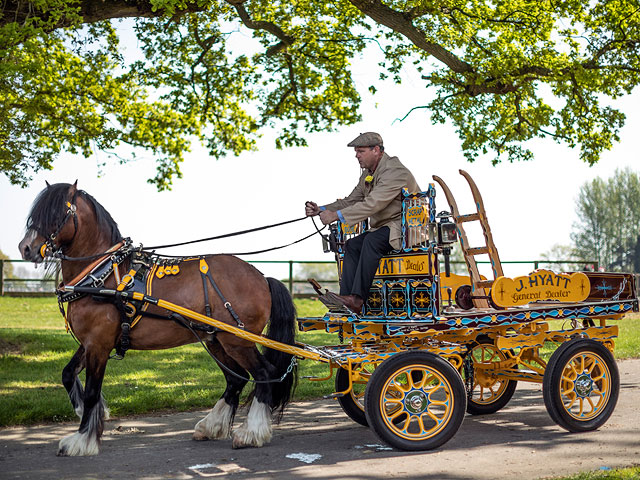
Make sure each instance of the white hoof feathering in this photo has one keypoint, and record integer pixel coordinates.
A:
(256, 429)
(78, 445)
(217, 423)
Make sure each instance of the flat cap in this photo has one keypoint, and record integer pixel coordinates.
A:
(367, 139)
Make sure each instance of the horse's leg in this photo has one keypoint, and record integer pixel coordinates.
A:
(71, 381)
(256, 429)
(86, 440)
(218, 422)
(73, 385)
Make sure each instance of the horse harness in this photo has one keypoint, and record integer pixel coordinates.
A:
(144, 268)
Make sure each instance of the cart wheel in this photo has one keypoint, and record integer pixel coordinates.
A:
(581, 385)
(489, 394)
(353, 403)
(415, 401)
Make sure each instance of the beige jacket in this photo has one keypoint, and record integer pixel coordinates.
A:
(381, 200)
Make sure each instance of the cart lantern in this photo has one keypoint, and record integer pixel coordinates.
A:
(447, 232)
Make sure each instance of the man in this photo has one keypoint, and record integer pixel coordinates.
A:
(377, 196)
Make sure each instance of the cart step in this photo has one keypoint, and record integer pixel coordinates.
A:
(477, 250)
(468, 218)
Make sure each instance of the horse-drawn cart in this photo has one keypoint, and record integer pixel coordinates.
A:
(429, 345)
(422, 354)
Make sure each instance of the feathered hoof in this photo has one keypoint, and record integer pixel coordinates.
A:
(78, 445)
(248, 440)
(256, 430)
(216, 425)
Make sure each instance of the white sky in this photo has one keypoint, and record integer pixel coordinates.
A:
(530, 206)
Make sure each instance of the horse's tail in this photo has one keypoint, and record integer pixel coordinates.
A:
(282, 328)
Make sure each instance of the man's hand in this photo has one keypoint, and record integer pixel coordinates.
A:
(311, 209)
(327, 217)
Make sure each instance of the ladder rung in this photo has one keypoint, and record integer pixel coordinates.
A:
(484, 284)
(468, 218)
(477, 250)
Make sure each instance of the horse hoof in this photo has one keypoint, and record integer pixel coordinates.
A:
(216, 425)
(247, 439)
(200, 437)
(78, 445)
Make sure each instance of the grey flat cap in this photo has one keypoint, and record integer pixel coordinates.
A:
(367, 139)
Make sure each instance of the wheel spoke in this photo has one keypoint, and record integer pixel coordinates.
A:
(591, 365)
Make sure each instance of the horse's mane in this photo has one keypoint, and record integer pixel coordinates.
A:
(49, 209)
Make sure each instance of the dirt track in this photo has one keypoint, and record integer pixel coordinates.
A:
(519, 441)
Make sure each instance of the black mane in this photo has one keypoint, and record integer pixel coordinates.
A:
(50, 207)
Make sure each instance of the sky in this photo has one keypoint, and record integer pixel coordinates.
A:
(530, 206)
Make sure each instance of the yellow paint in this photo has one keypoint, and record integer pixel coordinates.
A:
(454, 282)
(204, 268)
(403, 265)
(238, 332)
(160, 272)
(126, 280)
(350, 229)
(540, 285)
(417, 216)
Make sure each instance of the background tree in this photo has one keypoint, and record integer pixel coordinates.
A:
(570, 258)
(502, 72)
(7, 267)
(608, 227)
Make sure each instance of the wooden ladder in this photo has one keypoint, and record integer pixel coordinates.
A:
(477, 284)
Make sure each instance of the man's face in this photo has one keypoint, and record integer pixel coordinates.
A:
(368, 157)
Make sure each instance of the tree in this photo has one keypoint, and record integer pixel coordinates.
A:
(571, 260)
(502, 72)
(608, 227)
(7, 267)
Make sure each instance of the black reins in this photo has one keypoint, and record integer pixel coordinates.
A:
(58, 253)
(226, 235)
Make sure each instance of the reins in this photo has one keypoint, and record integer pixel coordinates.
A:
(226, 235)
(58, 253)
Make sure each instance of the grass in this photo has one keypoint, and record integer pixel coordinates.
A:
(631, 473)
(34, 348)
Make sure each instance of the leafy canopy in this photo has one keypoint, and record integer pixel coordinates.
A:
(502, 72)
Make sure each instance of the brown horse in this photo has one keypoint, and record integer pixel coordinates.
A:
(72, 224)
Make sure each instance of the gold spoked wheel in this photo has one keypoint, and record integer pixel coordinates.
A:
(489, 393)
(415, 401)
(581, 385)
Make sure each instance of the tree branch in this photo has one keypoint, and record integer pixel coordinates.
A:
(401, 23)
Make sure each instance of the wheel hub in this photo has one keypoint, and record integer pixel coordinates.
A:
(584, 385)
(416, 402)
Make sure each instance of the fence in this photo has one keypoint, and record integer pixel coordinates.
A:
(299, 287)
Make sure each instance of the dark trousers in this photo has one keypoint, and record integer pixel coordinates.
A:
(361, 259)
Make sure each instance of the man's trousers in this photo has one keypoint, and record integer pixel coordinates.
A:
(361, 259)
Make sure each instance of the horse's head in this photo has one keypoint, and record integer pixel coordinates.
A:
(58, 214)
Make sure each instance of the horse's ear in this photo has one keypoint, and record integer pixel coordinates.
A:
(74, 187)
(47, 184)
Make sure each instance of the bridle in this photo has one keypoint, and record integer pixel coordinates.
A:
(49, 244)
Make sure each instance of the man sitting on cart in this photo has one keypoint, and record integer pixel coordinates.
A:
(377, 197)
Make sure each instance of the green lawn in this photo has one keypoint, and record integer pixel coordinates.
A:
(34, 348)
